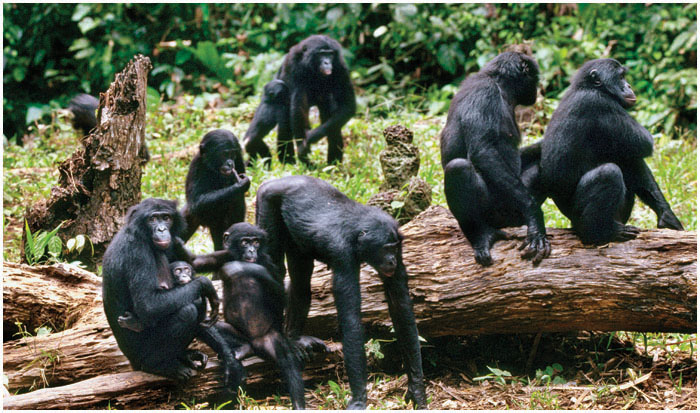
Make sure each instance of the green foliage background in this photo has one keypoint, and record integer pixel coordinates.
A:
(406, 54)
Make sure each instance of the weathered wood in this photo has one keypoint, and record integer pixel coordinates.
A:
(101, 180)
(139, 390)
(51, 295)
(647, 284)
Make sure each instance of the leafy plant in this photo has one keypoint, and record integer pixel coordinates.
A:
(497, 375)
(38, 245)
(550, 375)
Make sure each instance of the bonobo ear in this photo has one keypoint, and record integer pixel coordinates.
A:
(524, 67)
(226, 235)
(594, 77)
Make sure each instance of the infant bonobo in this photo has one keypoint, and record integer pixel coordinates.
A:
(181, 273)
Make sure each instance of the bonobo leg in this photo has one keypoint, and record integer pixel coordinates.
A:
(600, 197)
(285, 141)
(167, 344)
(274, 346)
(300, 270)
(191, 225)
(470, 201)
(233, 369)
(346, 293)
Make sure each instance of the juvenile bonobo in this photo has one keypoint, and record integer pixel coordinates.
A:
(181, 273)
(242, 242)
(593, 153)
(479, 147)
(307, 219)
(134, 267)
(313, 73)
(215, 186)
(254, 312)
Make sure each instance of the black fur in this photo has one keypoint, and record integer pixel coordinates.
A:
(84, 107)
(215, 186)
(479, 147)
(313, 74)
(593, 154)
(307, 219)
(135, 261)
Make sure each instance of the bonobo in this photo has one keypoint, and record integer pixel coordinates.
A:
(254, 311)
(83, 107)
(592, 157)
(181, 273)
(307, 219)
(313, 74)
(215, 186)
(479, 147)
(242, 242)
(133, 267)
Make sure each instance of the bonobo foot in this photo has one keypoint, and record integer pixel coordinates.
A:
(195, 359)
(234, 374)
(306, 346)
(357, 404)
(482, 247)
(536, 247)
(626, 233)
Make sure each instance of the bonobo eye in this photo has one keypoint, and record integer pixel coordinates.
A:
(256, 243)
(178, 271)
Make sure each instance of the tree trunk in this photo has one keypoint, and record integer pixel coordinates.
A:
(100, 181)
(647, 284)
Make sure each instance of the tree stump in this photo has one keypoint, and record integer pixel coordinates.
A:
(100, 181)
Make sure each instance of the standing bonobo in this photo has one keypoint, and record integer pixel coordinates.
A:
(215, 186)
(593, 153)
(313, 74)
(308, 219)
(134, 265)
(479, 147)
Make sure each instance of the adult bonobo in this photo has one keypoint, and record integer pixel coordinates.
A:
(479, 147)
(593, 153)
(307, 219)
(134, 266)
(314, 74)
(215, 186)
(84, 107)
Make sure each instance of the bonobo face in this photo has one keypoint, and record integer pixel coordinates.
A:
(325, 61)
(607, 75)
(248, 249)
(219, 149)
(182, 274)
(160, 223)
(381, 248)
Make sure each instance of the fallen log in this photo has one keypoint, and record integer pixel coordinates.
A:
(647, 284)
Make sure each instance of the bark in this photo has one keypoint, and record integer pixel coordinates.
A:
(647, 284)
(100, 181)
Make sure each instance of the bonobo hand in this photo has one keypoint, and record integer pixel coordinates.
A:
(303, 148)
(668, 220)
(243, 182)
(536, 247)
(214, 312)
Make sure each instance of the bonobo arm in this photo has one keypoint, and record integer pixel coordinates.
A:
(622, 136)
(639, 179)
(404, 321)
(152, 303)
(299, 113)
(212, 261)
(235, 268)
(343, 100)
(490, 160)
(202, 203)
